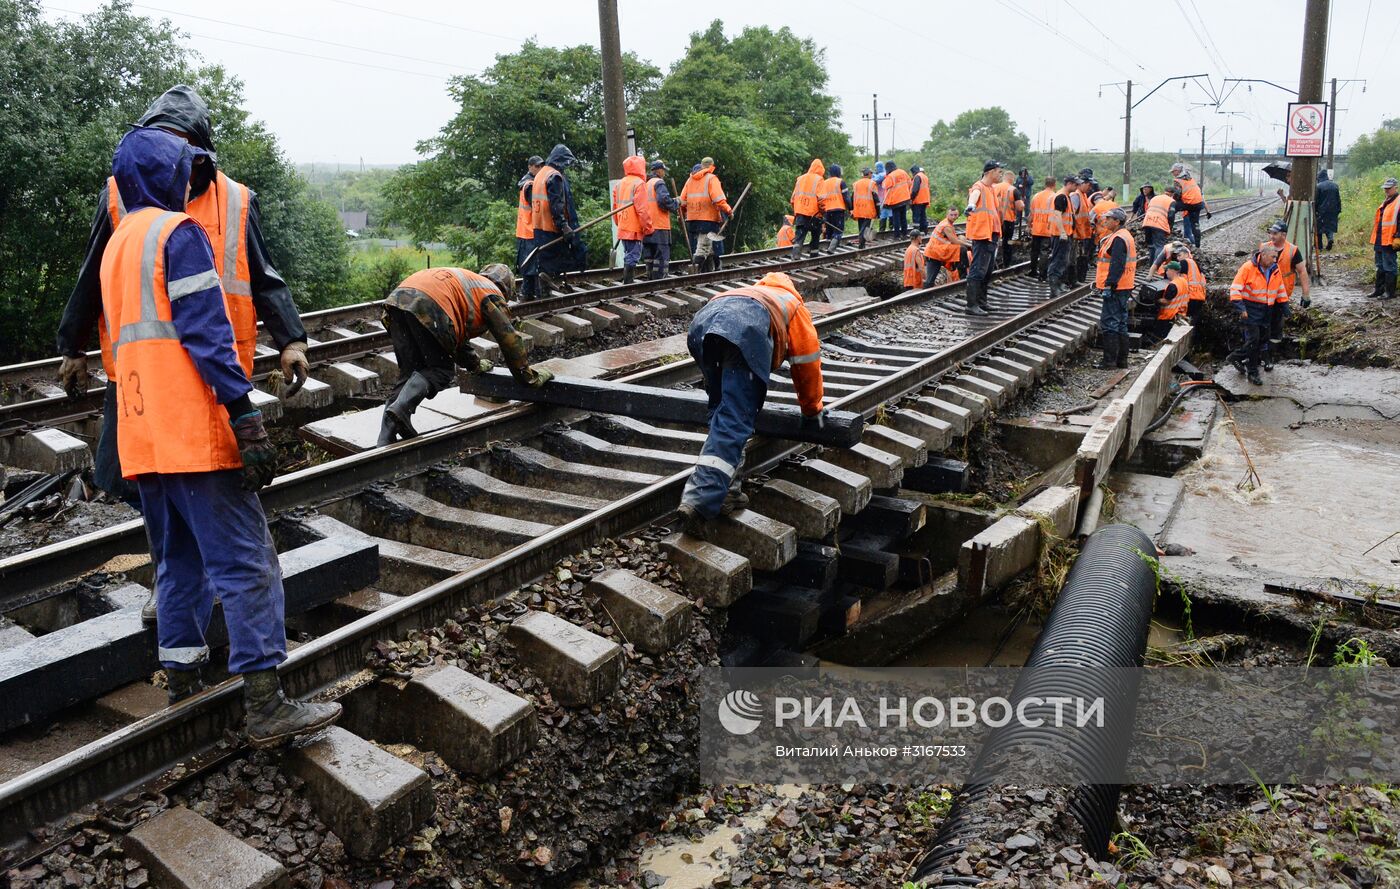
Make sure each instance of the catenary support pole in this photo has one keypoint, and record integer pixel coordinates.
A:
(1128, 143)
(1303, 182)
(614, 105)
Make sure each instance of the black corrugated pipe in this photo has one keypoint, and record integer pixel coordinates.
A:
(1095, 636)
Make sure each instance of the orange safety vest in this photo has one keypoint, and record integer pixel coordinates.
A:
(1042, 206)
(541, 219)
(1177, 304)
(630, 226)
(829, 196)
(920, 190)
(1250, 285)
(913, 266)
(943, 245)
(984, 222)
(897, 187)
(222, 211)
(647, 204)
(1097, 213)
(786, 234)
(1125, 281)
(524, 216)
(1195, 280)
(1190, 192)
(1386, 223)
(458, 293)
(804, 194)
(863, 192)
(1287, 264)
(170, 420)
(794, 339)
(1156, 215)
(1083, 223)
(1006, 200)
(703, 198)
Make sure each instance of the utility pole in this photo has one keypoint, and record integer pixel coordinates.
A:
(1203, 159)
(614, 104)
(1128, 142)
(1303, 182)
(874, 119)
(1332, 129)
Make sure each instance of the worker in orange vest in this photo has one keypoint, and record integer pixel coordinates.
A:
(1172, 300)
(1257, 286)
(983, 230)
(191, 440)
(229, 213)
(554, 216)
(1157, 220)
(1295, 272)
(525, 230)
(632, 223)
(806, 208)
(946, 249)
(865, 203)
(1081, 209)
(1385, 239)
(920, 196)
(704, 206)
(739, 339)
(654, 198)
(1114, 279)
(432, 317)
(899, 188)
(1059, 268)
(1192, 201)
(1011, 206)
(1194, 279)
(834, 199)
(1042, 206)
(914, 261)
(1098, 210)
(786, 232)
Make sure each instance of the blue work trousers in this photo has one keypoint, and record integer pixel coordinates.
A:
(1113, 315)
(529, 272)
(631, 253)
(1385, 260)
(1191, 223)
(209, 540)
(736, 396)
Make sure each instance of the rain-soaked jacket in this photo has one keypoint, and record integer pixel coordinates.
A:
(180, 108)
(557, 191)
(804, 193)
(632, 225)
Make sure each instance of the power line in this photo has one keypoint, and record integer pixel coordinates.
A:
(1046, 26)
(441, 24)
(1095, 26)
(1362, 47)
(1211, 38)
(379, 52)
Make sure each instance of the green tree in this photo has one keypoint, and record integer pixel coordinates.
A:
(1374, 149)
(979, 134)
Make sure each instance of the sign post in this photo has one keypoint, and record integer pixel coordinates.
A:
(1307, 123)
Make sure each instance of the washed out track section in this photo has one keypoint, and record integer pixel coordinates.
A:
(388, 549)
(42, 429)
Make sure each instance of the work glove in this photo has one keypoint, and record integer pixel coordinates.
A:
(257, 450)
(817, 420)
(566, 230)
(483, 366)
(73, 374)
(1208, 214)
(1307, 301)
(295, 367)
(538, 377)
(723, 218)
(1064, 237)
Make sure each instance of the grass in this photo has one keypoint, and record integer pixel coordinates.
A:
(1159, 571)
(1132, 851)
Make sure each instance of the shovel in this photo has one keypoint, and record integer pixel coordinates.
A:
(705, 245)
(589, 224)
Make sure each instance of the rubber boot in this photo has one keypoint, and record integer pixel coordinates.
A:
(974, 302)
(1254, 376)
(401, 409)
(544, 286)
(1110, 352)
(181, 684)
(148, 611)
(388, 430)
(1125, 344)
(796, 251)
(832, 245)
(693, 523)
(628, 273)
(1389, 286)
(272, 719)
(734, 501)
(1379, 289)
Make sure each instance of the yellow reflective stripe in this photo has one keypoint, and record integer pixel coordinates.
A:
(192, 284)
(805, 359)
(470, 288)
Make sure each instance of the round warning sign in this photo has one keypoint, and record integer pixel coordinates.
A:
(1306, 122)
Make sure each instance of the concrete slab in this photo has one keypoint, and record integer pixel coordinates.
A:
(132, 702)
(935, 434)
(126, 595)
(882, 468)
(404, 569)
(12, 634)
(1039, 442)
(543, 334)
(895, 517)
(411, 517)
(847, 297)
(359, 431)
(580, 668)
(470, 488)
(1149, 502)
(1100, 447)
(1181, 440)
(767, 543)
(993, 380)
(651, 617)
(955, 416)
(995, 556)
(910, 449)
(1025, 373)
(486, 348)
(713, 574)
(814, 515)
(977, 404)
(629, 313)
(614, 362)
(939, 475)
(368, 796)
(386, 364)
(574, 327)
(627, 431)
(476, 727)
(572, 444)
(348, 379)
(45, 450)
(270, 405)
(313, 394)
(181, 850)
(1058, 505)
(527, 466)
(850, 489)
(600, 318)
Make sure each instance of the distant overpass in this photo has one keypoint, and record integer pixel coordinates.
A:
(1248, 157)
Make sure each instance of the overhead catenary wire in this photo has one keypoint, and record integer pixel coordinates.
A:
(427, 21)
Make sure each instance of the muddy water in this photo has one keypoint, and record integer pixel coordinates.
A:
(972, 641)
(1330, 490)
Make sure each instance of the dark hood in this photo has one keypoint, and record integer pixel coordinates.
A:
(525, 180)
(560, 157)
(834, 171)
(1321, 175)
(181, 108)
(152, 168)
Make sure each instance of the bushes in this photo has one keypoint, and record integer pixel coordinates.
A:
(1361, 195)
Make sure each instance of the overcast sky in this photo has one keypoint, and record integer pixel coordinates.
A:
(383, 88)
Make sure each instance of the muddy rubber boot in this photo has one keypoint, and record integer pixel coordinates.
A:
(1236, 361)
(628, 273)
(1379, 290)
(181, 684)
(148, 611)
(388, 430)
(1110, 352)
(272, 719)
(544, 286)
(692, 522)
(1254, 376)
(734, 501)
(1124, 347)
(401, 409)
(796, 251)
(1389, 287)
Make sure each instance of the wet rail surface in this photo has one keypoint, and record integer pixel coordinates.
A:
(384, 542)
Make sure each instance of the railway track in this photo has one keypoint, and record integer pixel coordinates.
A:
(397, 539)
